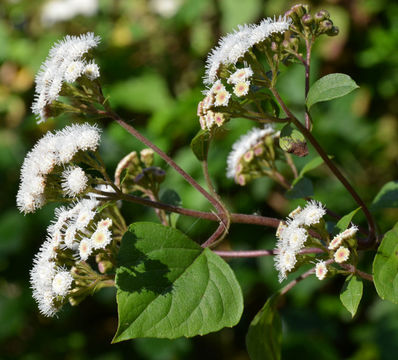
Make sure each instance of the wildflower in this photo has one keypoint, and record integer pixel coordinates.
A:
(62, 283)
(341, 255)
(311, 214)
(61, 10)
(240, 75)
(65, 63)
(85, 249)
(244, 144)
(232, 47)
(53, 149)
(105, 223)
(219, 119)
(241, 88)
(336, 242)
(74, 181)
(101, 238)
(321, 270)
(222, 98)
(349, 233)
(91, 70)
(296, 237)
(217, 87)
(293, 214)
(285, 261)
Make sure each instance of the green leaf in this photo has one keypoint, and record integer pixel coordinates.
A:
(301, 189)
(171, 197)
(387, 197)
(351, 293)
(200, 144)
(263, 340)
(330, 87)
(168, 286)
(385, 267)
(293, 141)
(343, 223)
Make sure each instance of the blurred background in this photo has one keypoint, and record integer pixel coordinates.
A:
(152, 61)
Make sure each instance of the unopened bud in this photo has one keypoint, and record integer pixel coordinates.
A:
(321, 15)
(105, 266)
(333, 31)
(325, 26)
(146, 156)
(307, 20)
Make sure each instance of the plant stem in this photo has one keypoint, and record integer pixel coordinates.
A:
(294, 282)
(307, 64)
(371, 237)
(258, 253)
(352, 269)
(223, 217)
(235, 218)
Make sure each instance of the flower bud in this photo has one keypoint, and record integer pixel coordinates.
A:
(321, 15)
(146, 156)
(307, 20)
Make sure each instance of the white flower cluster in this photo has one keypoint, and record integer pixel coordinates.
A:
(61, 10)
(55, 149)
(234, 46)
(78, 229)
(293, 235)
(65, 63)
(245, 143)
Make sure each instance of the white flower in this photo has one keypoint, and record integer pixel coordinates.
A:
(233, 47)
(245, 143)
(335, 243)
(104, 223)
(311, 214)
(349, 233)
(74, 70)
(64, 63)
(85, 249)
(61, 10)
(165, 8)
(341, 255)
(222, 98)
(241, 88)
(83, 218)
(321, 270)
(91, 70)
(296, 238)
(74, 181)
(285, 262)
(53, 149)
(62, 283)
(101, 238)
(240, 75)
(70, 236)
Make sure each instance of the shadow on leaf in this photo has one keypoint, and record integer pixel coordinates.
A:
(137, 272)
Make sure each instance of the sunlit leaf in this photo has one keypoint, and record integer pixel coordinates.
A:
(351, 293)
(168, 286)
(385, 267)
(330, 87)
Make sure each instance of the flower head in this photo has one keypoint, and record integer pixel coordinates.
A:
(321, 270)
(65, 63)
(74, 181)
(244, 144)
(62, 283)
(232, 47)
(311, 214)
(53, 150)
(341, 255)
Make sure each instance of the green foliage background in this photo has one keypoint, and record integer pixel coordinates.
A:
(151, 67)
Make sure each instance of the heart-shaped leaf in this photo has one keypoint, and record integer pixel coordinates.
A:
(168, 286)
